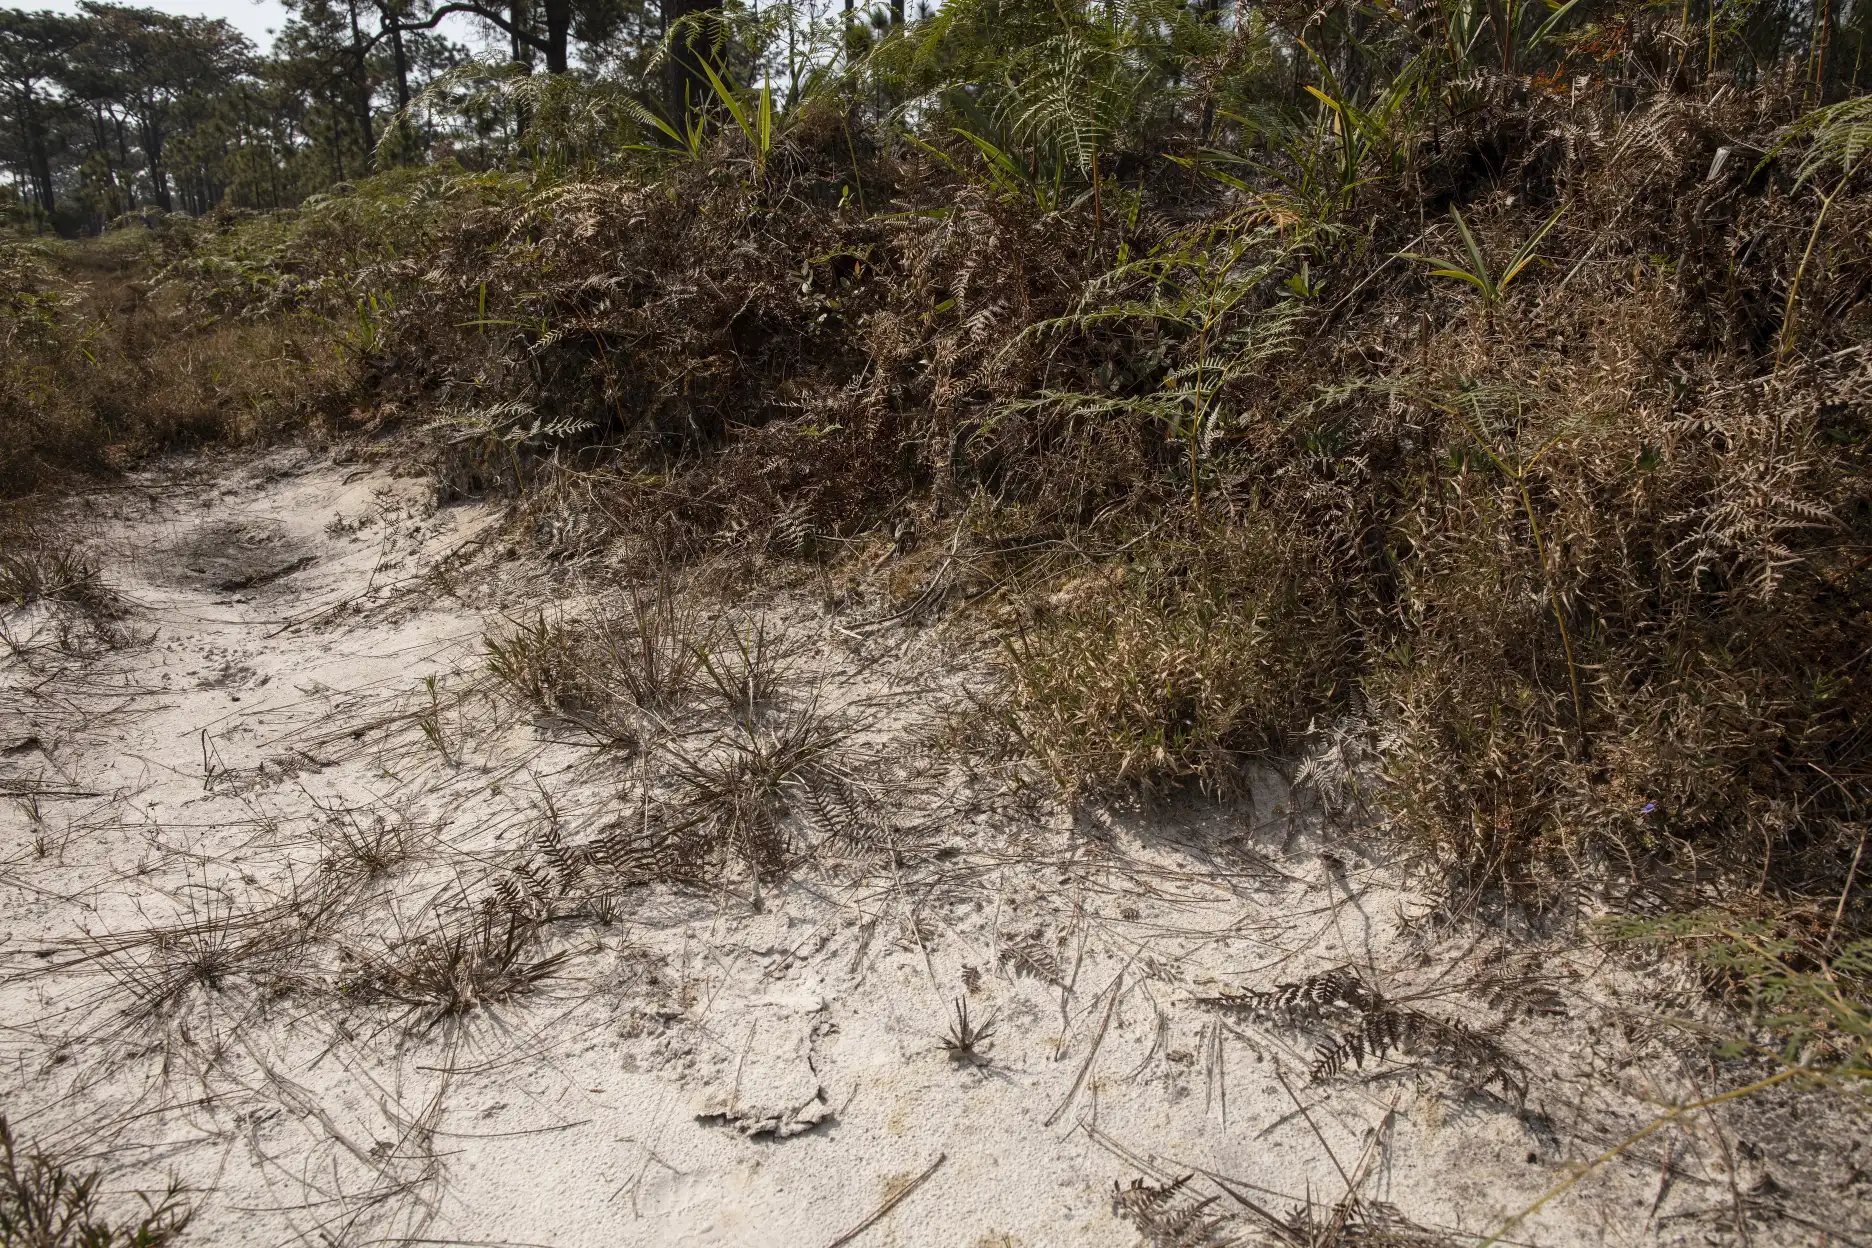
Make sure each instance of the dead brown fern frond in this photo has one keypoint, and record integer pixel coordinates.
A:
(1171, 1216)
(1470, 1055)
(1302, 1001)
(1361, 1022)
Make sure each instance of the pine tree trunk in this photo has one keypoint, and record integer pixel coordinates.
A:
(558, 35)
(361, 87)
(402, 64)
(693, 45)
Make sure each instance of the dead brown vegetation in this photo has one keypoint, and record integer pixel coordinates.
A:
(483, 962)
(36, 566)
(97, 369)
(1582, 561)
(1582, 558)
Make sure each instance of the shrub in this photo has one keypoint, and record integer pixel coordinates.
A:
(45, 1203)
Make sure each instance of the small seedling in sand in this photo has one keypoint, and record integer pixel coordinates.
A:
(429, 719)
(966, 1036)
(606, 908)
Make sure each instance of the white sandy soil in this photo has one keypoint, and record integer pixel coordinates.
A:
(188, 934)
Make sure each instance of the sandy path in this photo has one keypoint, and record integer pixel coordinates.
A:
(188, 913)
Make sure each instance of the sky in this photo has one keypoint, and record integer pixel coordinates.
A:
(256, 19)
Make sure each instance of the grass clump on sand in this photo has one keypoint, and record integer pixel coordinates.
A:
(1153, 683)
(636, 658)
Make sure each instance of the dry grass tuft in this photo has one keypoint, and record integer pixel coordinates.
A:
(548, 665)
(756, 794)
(35, 567)
(38, 566)
(748, 667)
(966, 1036)
(655, 647)
(1159, 678)
(214, 950)
(364, 848)
(488, 961)
(638, 658)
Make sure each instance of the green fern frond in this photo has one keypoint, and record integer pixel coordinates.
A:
(1837, 137)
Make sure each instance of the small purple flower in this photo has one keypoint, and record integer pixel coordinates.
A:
(1647, 808)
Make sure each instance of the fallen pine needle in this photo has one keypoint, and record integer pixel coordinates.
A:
(885, 1208)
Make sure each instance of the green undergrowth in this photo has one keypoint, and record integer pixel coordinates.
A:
(46, 1202)
(1803, 993)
